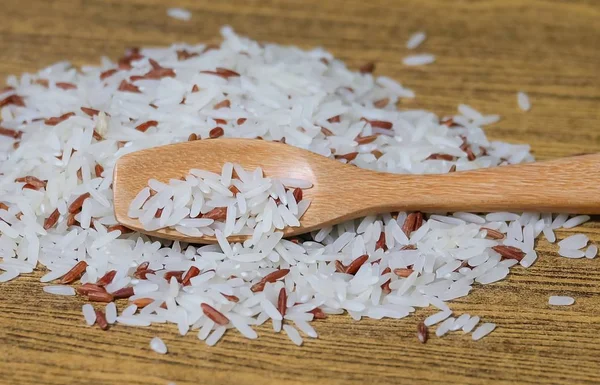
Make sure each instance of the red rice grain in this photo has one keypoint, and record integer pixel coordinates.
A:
(128, 87)
(318, 313)
(277, 274)
(132, 55)
(51, 220)
(15, 134)
(422, 332)
(231, 298)
(142, 302)
(282, 301)
(191, 273)
(106, 278)
(222, 104)
(380, 244)
(177, 274)
(492, 234)
(403, 272)
(90, 111)
(216, 133)
(58, 119)
(183, 54)
(509, 252)
(381, 103)
(37, 183)
(355, 265)
(98, 170)
(66, 86)
(125, 292)
(101, 320)
(412, 223)
(365, 139)
(78, 203)
(145, 126)
(367, 68)
(349, 157)
(297, 194)
(379, 123)
(108, 73)
(75, 273)
(14, 100)
(215, 315)
(217, 214)
(87, 288)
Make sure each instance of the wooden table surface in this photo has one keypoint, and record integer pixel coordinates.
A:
(486, 50)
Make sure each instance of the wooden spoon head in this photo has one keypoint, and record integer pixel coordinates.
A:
(132, 172)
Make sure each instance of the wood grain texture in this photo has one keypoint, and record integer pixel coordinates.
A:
(551, 186)
(486, 51)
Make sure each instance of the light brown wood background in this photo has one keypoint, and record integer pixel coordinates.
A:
(486, 51)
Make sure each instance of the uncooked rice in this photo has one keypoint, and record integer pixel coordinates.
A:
(577, 241)
(293, 334)
(557, 300)
(67, 128)
(179, 13)
(523, 101)
(89, 314)
(591, 251)
(416, 40)
(575, 221)
(111, 313)
(205, 203)
(59, 290)
(571, 253)
(483, 331)
(418, 60)
(437, 317)
(158, 345)
(470, 324)
(445, 326)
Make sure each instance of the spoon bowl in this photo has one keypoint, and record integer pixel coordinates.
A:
(342, 192)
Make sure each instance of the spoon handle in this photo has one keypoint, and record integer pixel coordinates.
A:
(568, 185)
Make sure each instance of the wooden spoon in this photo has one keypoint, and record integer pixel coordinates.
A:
(342, 192)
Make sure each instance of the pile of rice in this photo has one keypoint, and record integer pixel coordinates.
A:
(236, 202)
(63, 129)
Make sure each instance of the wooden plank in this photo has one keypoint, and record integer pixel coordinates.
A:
(486, 50)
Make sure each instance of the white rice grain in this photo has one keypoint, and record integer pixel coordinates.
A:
(591, 251)
(158, 345)
(89, 314)
(571, 253)
(9, 274)
(470, 324)
(293, 334)
(557, 300)
(179, 14)
(111, 313)
(577, 241)
(59, 290)
(523, 101)
(215, 336)
(418, 60)
(445, 326)
(483, 331)
(415, 40)
(437, 317)
(575, 221)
